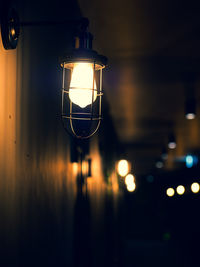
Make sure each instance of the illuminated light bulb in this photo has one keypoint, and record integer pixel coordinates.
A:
(123, 167)
(195, 187)
(81, 86)
(172, 145)
(190, 116)
(190, 108)
(172, 141)
(131, 187)
(170, 192)
(180, 189)
(129, 179)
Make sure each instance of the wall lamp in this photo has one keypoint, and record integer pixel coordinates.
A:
(172, 141)
(82, 86)
(190, 109)
(123, 167)
(81, 74)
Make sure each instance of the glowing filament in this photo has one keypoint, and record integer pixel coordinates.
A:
(81, 88)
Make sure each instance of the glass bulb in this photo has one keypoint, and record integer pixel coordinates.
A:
(81, 85)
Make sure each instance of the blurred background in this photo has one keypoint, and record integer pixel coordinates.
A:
(66, 202)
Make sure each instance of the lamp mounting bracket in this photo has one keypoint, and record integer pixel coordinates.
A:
(10, 28)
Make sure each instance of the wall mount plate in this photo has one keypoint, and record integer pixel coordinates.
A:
(10, 28)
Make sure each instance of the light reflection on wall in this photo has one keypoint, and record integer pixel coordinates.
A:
(96, 184)
(8, 142)
(7, 113)
(75, 169)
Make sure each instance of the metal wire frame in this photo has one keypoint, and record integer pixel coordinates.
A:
(88, 116)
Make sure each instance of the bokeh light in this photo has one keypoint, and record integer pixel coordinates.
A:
(159, 164)
(195, 187)
(172, 145)
(190, 116)
(123, 167)
(180, 189)
(189, 161)
(131, 187)
(129, 179)
(170, 192)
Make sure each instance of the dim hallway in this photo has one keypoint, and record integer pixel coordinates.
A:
(129, 195)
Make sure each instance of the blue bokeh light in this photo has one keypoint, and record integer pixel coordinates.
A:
(190, 161)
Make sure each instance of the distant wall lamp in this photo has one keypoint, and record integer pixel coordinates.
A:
(172, 141)
(190, 109)
(195, 187)
(130, 182)
(180, 189)
(123, 167)
(81, 79)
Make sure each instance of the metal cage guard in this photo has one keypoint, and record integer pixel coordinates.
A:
(91, 115)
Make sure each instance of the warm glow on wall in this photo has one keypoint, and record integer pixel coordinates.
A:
(8, 123)
(81, 90)
(123, 167)
(75, 168)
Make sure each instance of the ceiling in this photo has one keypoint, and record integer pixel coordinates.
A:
(153, 49)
